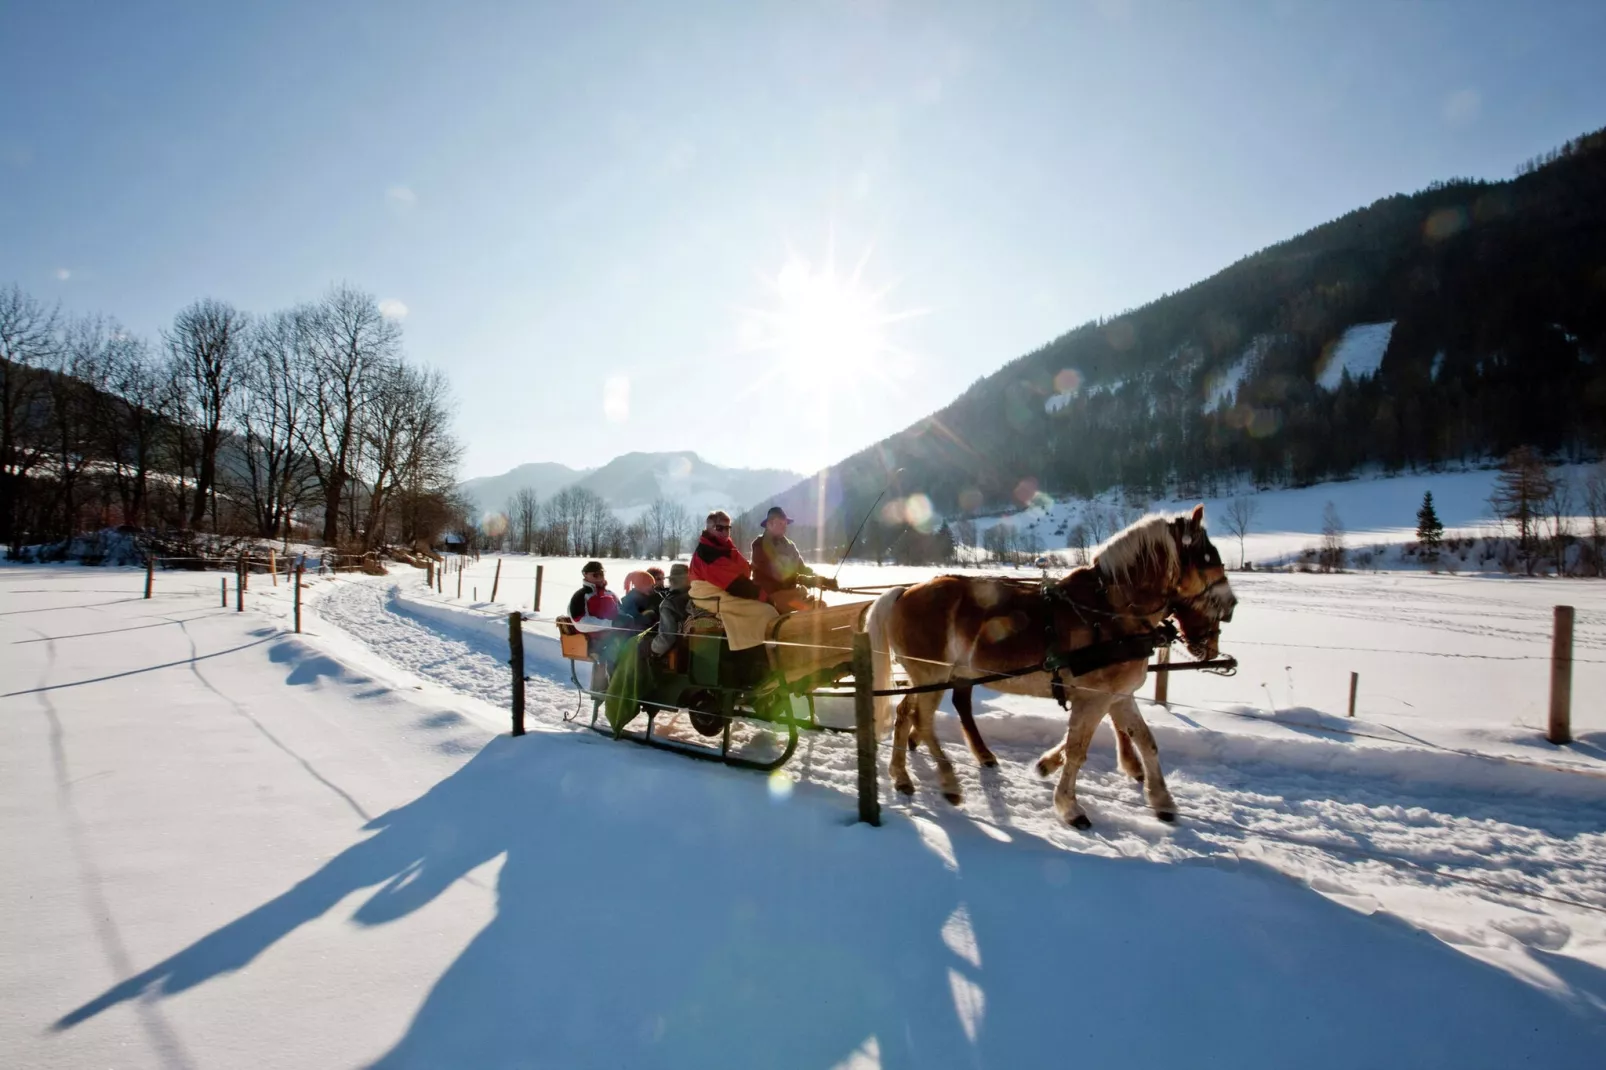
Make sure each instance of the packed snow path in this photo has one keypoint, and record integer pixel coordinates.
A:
(238, 847)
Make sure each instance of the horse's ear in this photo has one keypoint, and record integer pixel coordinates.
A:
(1198, 514)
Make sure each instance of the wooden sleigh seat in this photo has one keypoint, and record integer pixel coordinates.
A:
(576, 646)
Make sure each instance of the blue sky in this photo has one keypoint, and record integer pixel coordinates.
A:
(585, 209)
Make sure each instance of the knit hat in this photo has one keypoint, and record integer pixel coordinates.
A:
(679, 576)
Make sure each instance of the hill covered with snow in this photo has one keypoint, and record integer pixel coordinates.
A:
(629, 483)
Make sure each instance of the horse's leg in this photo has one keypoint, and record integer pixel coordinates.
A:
(926, 725)
(1126, 757)
(898, 765)
(1087, 710)
(1124, 713)
(1049, 761)
(967, 722)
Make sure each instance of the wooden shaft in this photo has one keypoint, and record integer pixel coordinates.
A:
(150, 573)
(223, 582)
(299, 570)
(540, 574)
(515, 643)
(1354, 685)
(496, 580)
(1162, 680)
(1561, 678)
(864, 731)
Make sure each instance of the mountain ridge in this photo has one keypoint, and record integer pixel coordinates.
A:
(630, 482)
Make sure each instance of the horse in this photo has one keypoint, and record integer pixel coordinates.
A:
(1084, 640)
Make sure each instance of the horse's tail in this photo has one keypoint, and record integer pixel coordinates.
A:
(878, 626)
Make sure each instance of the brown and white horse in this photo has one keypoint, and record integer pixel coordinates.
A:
(957, 628)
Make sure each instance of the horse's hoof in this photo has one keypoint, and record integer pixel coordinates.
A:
(905, 787)
(953, 797)
(1081, 823)
(1138, 776)
(1168, 816)
(989, 762)
(1042, 768)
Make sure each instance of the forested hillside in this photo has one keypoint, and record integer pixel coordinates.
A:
(1443, 326)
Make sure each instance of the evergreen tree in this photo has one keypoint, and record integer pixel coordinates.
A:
(1429, 531)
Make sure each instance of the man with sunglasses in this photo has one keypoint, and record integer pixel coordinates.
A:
(721, 582)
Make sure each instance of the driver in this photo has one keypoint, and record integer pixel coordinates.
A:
(778, 567)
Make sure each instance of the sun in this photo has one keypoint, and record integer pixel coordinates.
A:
(822, 325)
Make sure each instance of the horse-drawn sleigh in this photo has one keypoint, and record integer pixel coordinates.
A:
(1084, 640)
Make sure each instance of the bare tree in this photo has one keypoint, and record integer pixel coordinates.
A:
(27, 340)
(1558, 518)
(658, 525)
(1333, 552)
(408, 444)
(207, 358)
(1240, 514)
(269, 409)
(524, 510)
(352, 344)
(1521, 489)
(128, 417)
(1595, 506)
(679, 527)
(75, 375)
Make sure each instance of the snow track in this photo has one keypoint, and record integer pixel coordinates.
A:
(1504, 860)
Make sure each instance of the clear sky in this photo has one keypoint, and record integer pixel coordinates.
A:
(613, 223)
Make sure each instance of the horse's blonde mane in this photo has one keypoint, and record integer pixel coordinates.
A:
(1143, 543)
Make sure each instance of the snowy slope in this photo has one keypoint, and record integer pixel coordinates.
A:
(1359, 352)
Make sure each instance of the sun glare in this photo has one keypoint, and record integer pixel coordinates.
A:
(821, 323)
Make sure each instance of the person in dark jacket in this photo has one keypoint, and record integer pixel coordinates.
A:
(778, 568)
(673, 611)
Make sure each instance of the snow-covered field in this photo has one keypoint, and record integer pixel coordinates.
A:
(232, 846)
(1376, 511)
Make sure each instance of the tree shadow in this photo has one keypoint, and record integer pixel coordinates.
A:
(655, 912)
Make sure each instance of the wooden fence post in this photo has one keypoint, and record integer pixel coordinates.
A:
(239, 588)
(1162, 680)
(540, 571)
(150, 572)
(1561, 677)
(864, 730)
(1354, 685)
(245, 570)
(515, 645)
(300, 570)
(497, 579)
(429, 574)
(223, 582)
(460, 583)
(273, 566)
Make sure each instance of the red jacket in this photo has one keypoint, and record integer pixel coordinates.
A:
(718, 561)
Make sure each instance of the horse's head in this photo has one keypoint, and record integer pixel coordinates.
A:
(1202, 599)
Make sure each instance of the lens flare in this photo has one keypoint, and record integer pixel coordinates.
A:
(780, 786)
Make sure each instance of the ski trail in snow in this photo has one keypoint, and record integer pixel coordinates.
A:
(1313, 824)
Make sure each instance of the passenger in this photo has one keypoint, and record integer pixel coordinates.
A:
(673, 610)
(720, 582)
(593, 607)
(778, 568)
(658, 584)
(638, 610)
